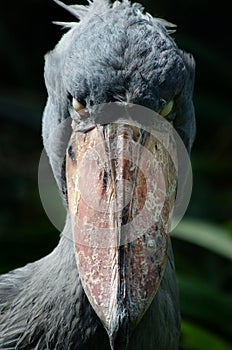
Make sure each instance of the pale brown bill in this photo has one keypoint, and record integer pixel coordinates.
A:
(121, 191)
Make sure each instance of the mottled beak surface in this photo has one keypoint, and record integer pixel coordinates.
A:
(121, 190)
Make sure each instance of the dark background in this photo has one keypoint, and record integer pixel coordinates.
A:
(26, 34)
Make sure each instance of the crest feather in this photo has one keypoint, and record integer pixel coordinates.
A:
(68, 25)
(99, 6)
(170, 27)
(80, 11)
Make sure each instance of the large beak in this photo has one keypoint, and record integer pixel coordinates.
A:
(121, 190)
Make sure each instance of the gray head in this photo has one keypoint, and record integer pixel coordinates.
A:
(115, 53)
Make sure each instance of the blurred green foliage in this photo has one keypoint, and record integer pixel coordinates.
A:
(202, 242)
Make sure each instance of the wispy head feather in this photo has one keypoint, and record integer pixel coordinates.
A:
(80, 11)
(97, 7)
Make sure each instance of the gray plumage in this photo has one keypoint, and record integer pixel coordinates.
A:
(116, 52)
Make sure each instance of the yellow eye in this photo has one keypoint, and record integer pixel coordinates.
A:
(167, 108)
(77, 105)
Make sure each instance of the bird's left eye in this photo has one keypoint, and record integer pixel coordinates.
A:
(77, 105)
(167, 109)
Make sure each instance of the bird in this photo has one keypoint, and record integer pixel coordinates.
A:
(117, 296)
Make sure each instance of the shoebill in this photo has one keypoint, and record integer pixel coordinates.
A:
(105, 292)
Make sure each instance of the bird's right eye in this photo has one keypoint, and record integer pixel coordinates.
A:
(79, 108)
(77, 105)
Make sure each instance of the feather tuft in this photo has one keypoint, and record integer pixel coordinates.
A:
(78, 11)
(170, 27)
(65, 25)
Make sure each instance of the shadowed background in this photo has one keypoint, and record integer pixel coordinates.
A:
(202, 242)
